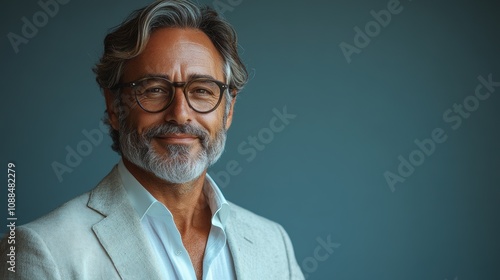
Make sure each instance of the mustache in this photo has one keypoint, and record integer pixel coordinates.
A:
(168, 128)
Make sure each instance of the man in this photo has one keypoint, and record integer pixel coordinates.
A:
(170, 74)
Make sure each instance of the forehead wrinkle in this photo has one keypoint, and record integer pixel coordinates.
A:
(177, 54)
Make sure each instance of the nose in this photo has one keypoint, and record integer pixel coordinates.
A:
(179, 111)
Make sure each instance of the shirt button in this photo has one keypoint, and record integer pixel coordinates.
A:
(178, 252)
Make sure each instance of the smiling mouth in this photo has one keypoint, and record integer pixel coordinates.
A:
(178, 138)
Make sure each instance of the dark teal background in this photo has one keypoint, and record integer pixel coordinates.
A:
(323, 175)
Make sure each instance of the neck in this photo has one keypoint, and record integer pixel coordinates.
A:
(185, 201)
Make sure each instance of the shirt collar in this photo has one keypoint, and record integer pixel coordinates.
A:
(142, 200)
(216, 200)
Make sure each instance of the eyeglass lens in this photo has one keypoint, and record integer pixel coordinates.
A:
(155, 94)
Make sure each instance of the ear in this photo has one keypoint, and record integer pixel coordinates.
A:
(111, 109)
(229, 119)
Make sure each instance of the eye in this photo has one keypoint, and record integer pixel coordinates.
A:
(154, 90)
(202, 91)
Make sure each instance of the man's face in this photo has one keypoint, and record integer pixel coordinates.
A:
(177, 144)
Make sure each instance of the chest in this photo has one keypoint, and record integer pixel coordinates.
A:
(195, 246)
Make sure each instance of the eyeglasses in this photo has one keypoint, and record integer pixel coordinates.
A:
(155, 94)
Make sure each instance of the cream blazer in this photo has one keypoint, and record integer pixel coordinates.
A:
(98, 235)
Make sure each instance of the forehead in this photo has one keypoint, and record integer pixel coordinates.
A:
(176, 53)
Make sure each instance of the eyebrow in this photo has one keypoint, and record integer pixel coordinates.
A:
(154, 75)
(190, 76)
(198, 76)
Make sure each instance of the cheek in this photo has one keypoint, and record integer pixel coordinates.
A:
(141, 120)
(220, 115)
(212, 122)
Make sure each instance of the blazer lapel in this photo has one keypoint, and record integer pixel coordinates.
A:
(120, 231)
(241, 245)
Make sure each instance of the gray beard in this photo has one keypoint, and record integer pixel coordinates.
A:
(178, 165)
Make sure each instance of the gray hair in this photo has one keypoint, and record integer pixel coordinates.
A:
(129, 39)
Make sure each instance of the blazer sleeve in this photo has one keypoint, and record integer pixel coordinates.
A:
(295, 272)
(33, 259)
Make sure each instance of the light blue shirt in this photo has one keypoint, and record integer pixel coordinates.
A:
(158, 224)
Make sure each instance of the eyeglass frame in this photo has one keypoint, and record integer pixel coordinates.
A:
(222, 86)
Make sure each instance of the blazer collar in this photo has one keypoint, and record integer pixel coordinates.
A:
(120, 231)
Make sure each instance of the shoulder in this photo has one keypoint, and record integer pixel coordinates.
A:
(38, 245)
(245, 221)
(83, 211)
(59, 243)
(71, 215)
(71, 223)
(260, 247)
(241, 213)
